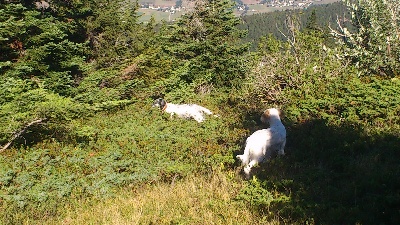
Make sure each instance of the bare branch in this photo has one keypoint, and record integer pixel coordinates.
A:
(292, 41)
(335, 32)
(19, 133)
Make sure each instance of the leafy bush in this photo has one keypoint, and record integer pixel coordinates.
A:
(106, 85)
(371, 104)
(258, 194)
(37, 111)
(115, 34)
(375, 46)
(290, 70)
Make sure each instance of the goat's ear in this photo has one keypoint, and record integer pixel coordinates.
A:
(162, 102)
(265, 116)
(281, 113)
(266, 113)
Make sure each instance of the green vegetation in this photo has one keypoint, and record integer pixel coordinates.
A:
(81, 143)
(275, 23)
(207, 45)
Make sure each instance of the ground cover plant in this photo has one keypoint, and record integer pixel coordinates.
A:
(126, 149)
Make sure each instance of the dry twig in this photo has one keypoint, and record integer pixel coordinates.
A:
(19, 133)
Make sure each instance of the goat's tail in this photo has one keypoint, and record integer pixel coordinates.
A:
(241, 158)
(245, 157)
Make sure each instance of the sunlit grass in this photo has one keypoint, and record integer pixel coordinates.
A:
(193, 200)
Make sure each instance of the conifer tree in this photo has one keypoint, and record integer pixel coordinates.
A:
(114, 32)
(42, 60)
(43, 48)
(207, 41)
(312, 21)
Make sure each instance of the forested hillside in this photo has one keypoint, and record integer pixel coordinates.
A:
(276, 23)
(81, 143)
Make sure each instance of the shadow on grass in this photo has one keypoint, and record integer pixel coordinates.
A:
(336, 175)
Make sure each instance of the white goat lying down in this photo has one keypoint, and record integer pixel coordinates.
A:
(183, 110)
(265, 143)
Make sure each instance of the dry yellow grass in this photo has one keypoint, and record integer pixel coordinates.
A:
(194, 200)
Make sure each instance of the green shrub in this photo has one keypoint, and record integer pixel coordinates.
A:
(375, 46)
(42, 48)
(287, 71)
(24, 105)
(259, 196)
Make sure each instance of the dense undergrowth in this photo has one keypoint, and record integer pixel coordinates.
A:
(134, 146)
(338, 168)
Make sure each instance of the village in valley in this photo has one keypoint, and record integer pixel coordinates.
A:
(171, 9)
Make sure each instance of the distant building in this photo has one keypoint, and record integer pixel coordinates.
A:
(251, 2)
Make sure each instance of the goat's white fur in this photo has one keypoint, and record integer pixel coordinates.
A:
(263, 144)
(183, 110)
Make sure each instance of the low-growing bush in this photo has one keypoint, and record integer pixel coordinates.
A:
(134, 146)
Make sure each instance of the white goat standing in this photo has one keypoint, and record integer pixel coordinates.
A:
(183, 110)
(263, 144)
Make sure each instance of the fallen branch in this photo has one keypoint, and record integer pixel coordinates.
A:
(19, 133)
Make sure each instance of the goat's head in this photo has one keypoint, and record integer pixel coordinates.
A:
(161, 103)
(270, 113)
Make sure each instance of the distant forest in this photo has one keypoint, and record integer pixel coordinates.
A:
(262, 24)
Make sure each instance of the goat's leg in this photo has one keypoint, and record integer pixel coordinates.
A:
(282, 149)
(199, 120)
(198, 117)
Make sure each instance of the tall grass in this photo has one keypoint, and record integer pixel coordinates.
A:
(193, 200)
